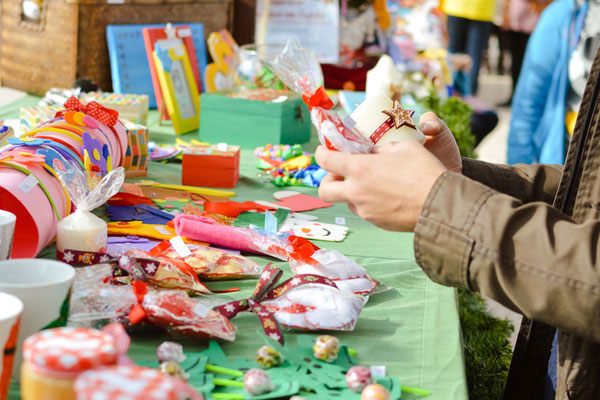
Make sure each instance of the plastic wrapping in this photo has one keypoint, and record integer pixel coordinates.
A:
(95, 300)
(300, 72)
(82, 230)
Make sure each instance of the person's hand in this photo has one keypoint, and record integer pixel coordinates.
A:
(440, 141)
(387, 188)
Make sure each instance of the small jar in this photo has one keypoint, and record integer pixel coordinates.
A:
(130, 382)
(53, 358)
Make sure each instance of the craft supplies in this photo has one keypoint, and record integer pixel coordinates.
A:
(375, 391)
(358, 377)
(190, 189)
(131, 107)
(54, 358)
(132, 383)
(82, 230)
(326, 348)
(268, 357)
(257, 382)
(250, 118)
(211, 165)
(136, 156)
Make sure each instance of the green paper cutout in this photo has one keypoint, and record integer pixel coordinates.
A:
(248, 218)
(171, 204)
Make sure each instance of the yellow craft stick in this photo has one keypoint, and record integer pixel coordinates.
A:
(191, 189)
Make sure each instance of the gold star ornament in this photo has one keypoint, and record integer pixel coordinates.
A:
(401, 116)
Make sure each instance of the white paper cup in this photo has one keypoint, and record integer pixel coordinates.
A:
(10, 312)
(43, 286)
(7, 230)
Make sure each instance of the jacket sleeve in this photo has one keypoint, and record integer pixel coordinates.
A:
(529, 257)
(528, 183)
(531, 93)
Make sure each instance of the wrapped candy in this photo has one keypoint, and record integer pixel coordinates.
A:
(300, 73)
(95, 299)
(375, 391)
(326, 348)
(358, 377)
(268, 357)
(173, 369)
(170, 351)
(257, 382)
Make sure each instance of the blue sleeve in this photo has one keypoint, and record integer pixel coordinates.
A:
(531, 95)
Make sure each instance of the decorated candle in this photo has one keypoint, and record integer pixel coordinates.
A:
(384, 78)
(384, 121)
(326, 348)
(375, 391)
(257, 382)
(358, 377)
(81, 231)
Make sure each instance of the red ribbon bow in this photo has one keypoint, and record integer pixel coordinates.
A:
(266, 289)
(102, 114)
(318, 99)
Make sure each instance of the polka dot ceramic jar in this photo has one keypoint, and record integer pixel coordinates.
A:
(53, 358)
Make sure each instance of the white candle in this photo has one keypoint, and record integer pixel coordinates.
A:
(369, 116)
(383, 78)
(81, 231)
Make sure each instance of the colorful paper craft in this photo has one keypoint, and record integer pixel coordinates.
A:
(314, 230)
(302, 202)
(128, 61)
(141, 212)
(219, 74)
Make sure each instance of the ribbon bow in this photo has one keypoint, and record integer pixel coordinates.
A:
(318, 99)
(265, 290)
(105, 115)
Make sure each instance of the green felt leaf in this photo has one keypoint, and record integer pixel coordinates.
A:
(283, 388)
(248, 218)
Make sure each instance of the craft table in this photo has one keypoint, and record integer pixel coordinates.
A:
(412, 328)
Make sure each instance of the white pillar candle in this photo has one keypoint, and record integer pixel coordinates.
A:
(383, 78)
(81, 231)
(369, 116)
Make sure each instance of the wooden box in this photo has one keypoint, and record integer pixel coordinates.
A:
(69, 42)
(211, 166)
(254, 118)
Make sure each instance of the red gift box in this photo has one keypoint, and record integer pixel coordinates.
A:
(211, 166)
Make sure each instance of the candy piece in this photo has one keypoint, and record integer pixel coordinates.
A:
(326, 348)
(170, 351)
(257, 382)
(173, 369)
(375, 391)
(358, 377)
(268, 357)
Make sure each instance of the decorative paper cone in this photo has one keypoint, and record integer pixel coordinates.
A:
(36, 220)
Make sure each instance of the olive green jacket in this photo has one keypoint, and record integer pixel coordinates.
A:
(528, 236)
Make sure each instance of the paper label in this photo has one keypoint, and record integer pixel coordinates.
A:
(162, 230)
(185, 32)
(180, 247)
(378, 370)
(222, 146)
(28, 183)
(201, 310)
(115, 1)
(340, 220)
(270, 223)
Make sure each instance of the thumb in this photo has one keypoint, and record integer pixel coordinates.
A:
(431, 125)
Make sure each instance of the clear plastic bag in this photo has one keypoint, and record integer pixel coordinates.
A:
(300, 72)
(82, 230)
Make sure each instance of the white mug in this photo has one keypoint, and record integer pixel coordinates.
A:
(10, 311)
(7, 230)
(43, 286)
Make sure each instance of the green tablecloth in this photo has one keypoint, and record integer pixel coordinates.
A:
(412, 328)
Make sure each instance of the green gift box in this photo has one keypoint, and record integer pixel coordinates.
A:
(253, 118)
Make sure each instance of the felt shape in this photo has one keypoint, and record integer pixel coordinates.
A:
(132, 188)
(314, 230)
(122, 244)
(233, 208)
(246, 219)
(177, 204)
(302, 202)
(138, 228)
(128, 199)
(141, 212)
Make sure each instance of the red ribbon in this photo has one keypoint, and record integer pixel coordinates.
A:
(318, 99)
(104, 115)
(303, 250)
(266, 289)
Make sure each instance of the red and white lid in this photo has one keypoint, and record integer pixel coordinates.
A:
(127, 382)
(69, 350)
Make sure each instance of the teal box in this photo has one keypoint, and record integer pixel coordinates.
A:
(253, 118)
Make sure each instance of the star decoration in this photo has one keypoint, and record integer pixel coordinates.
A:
(400, 116)
(68, 257)
(295, 281)
(151, 268)
(264, 314)
(104, 259)
(274, 336)
(229, 307)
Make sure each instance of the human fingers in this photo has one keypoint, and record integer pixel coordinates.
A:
(335, 161)
(332, 190)
(392, 147)
(430, 124)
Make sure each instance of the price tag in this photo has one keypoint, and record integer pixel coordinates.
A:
(28, 183)
(162, 230)
(222, 146)
(115, 1)
(378, 370)
(270, 223)
(340, 220)
(201, 310)
(180, 247)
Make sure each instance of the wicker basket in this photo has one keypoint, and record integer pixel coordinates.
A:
(69, 42)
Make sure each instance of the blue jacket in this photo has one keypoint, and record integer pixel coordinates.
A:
(537, 127)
